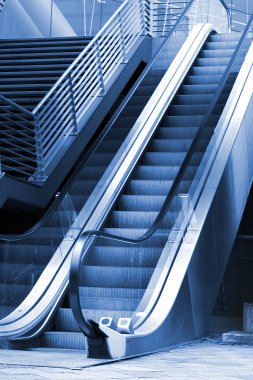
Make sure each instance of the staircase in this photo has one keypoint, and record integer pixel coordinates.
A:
(114, 277)
(28, 69)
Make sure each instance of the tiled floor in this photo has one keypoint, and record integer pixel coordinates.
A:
(206, 359)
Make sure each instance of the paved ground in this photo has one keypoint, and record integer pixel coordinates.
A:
(206, 359)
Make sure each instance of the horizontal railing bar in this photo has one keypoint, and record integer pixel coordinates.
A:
(11, 143)
(8, 119)
(15, 131)
(91, 69)
(56, 132)
(51, 149)
(59, 127)
(51, 100)
(19, 154)
(8, 110)
(16, 106)
(60, 107)
(47, 119)
(63, 97)
(11, 168)
(23, 164)
(95, 89)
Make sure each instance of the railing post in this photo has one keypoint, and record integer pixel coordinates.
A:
(100, 69)
(73, 108)
(150, 10)
(142, 10)
(39, 174)
(230, 15)
(165, 17)
(122, 39)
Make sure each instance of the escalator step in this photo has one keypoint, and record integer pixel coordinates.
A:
(81, 186)
(193, 89)
(220, 45)
(219, 61)
(163, 158)
(141, 187)
(137, 219)
(109, 146)
(189, 110)
(203, 79)
(161, 145)
(66, 340)
(182, 121)
(148, 172)
(195, 99)
(111, 303)
(210, 70)
(157, 240)
(11, 291)
(205, 53)
(35, 253)
(91, 172)
(65, 321)
(124, 256)
(216, 37)
(115, 277)
(145, 90)
(139, 100)
(176, 132)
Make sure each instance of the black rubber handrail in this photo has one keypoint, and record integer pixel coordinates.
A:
(114, 117)
(84, 240)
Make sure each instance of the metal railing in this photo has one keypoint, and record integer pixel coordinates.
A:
(163, 14)
(20, 150)
(42, 132)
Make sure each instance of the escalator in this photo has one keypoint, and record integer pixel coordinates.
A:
(150, 276)
(116, 278)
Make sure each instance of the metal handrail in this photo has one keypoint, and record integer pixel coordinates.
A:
(85, 239)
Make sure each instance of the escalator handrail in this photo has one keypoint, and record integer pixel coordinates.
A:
(86, 237)
(116, 114)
